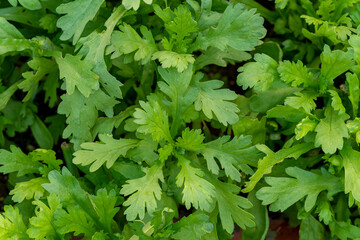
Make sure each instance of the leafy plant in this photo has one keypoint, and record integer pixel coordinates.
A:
(159, 138)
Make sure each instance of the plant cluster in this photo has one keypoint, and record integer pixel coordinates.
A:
(125, 120)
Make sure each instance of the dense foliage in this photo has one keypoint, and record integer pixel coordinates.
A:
(126, 119)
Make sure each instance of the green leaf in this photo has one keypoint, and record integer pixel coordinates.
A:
(7, 30)
(144, 191)
(82, 113)
(74, 220)
(354, 42)
(197, 191)
(304, 127)
(212, 100)
(191, 140)
(284, 192)
(232, 155)
(41, 134)
(302, 100)
(353, 86)
(192, 227)
(311, 229)
(237, 28)
(94, 48)
(286, 112)
(30, 4)
(31, 189)
(12, 225)
(170, 59)
(153, 120)
(6, 95)
(344, 230)
(331, 130)
(17, 161)
(336, 102)
(41, 225)
(108, 151)
(351, 161)
(135, 4)
(259, 74)
(77, 73)
(266, 164)
(334, 63)
(295, 74)
(78, 14)
(231, 205)
(104, 205)
(176, 87)
(127, 41)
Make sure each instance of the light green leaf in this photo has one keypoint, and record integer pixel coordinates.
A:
(6, 95)
(127, 41)
(259, 74)
(197, 191)
(7, 30)
(107, 151)
(334, 63)
(353, 86)
(78, 14)
(212, 100)
(144, 191)
(304, 127)
(302, 100)
(237, 28)
(12, 225)
(331, 130)
(153, 120)
(135, 4)
(191, 140)
(295, 74)
(233, 155)
(170, 59)
(336, 102)
(266, 164)
(77, 73)
(284, 192)
(354, 42)
(41, 225)
(31, 189)
(351, 162)
(30, 4)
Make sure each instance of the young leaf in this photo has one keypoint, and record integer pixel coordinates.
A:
(302, 100)
(295, 74)
(336, 102)
(77, 73)
(351, 161)
(232, 155)
(153, 120)
(108, 151)
(170, 59)
(212, 100)
(78, 14)
(42, 225)
(266, 164)
(331, 130)
(31, 189)
(135, 4)
(144, 192)
(127, 41)
(12, 225)
(284, 192)
(259, 74)
(197, 191)
(191, 140)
